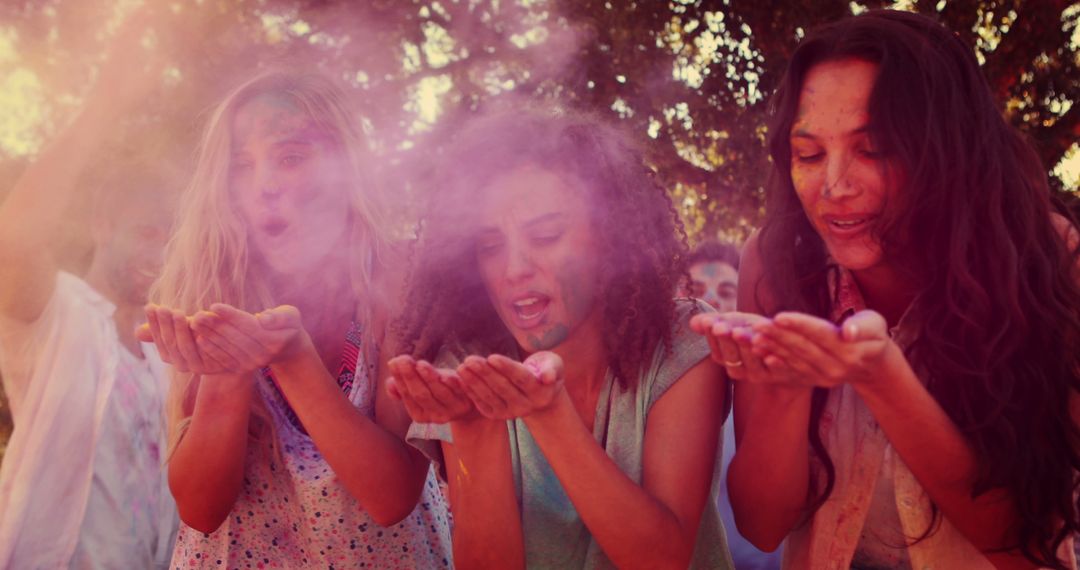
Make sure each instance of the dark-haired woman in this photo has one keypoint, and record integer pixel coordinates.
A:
(907, 399)
(584, 413)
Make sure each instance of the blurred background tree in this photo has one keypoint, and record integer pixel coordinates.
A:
(690, 77)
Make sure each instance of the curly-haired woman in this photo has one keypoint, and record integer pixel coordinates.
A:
(911, 400)
(582, 412)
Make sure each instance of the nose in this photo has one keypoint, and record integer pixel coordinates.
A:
(839, 181)
(266, 183)
(519, 263)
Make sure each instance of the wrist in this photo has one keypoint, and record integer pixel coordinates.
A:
(784, 395)
(475, 428)
(225, 392)
(561, 407)
(891, 370)
(296, 348)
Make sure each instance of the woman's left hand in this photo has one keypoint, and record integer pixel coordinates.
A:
(821, 354)
(502, 388)
(248, 341)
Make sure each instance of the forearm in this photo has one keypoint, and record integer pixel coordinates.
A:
(206, 470)
(30, 218)
(634, 529)
(487, 520)
(377, 467)
(769, 476)
(937, 454)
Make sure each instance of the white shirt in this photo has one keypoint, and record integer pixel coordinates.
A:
(82, 484)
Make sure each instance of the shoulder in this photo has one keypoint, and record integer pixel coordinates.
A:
(687, 350)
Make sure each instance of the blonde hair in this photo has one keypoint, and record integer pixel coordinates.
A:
(207, 259)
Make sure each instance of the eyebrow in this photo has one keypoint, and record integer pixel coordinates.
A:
(303, 139)
(552, 216)
(801, 133)
(544, 218)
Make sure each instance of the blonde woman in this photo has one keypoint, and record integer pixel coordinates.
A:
(273, 304)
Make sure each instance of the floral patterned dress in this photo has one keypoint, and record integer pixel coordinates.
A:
(293, 512)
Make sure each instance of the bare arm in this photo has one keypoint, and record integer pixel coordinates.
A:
(769, 476)
(941, 459)
(653, 525)
(30, 215)
(206, 470)
(487, 520)
(370, 457)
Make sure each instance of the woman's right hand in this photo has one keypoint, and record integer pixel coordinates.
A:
(430, 395)
(730, 337)
(171, 331)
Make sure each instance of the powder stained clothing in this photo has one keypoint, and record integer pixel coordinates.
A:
(866, 464)
(83, 483)
(293, 512)
(555, 536)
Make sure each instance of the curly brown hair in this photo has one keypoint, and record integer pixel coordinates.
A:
(642, 245)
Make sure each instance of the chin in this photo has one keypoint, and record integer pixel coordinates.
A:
(545, 338)
(856, 258)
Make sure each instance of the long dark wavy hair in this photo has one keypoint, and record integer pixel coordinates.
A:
(641, 243)
(998, 313)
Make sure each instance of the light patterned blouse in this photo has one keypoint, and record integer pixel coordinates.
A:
(293, 512)
(862, 457)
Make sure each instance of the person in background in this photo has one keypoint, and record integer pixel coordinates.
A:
(713, 269)
(908, 357)
(82, 483)
(272, 310)
(578, 416)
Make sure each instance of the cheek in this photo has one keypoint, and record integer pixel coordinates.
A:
(490, 266)
(323, 208)
(577, 286)
(805, 181)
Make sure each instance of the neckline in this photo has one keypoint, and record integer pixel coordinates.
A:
(345, 376)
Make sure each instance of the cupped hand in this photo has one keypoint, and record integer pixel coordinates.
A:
(171, 331)
(502, 388)
(730, 337)
(246, 342)
(430, 395)
(810, 351)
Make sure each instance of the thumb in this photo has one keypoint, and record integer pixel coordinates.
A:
(392, 388)
(865, 325)
(142, 332)
(280, 317)
(547, 366)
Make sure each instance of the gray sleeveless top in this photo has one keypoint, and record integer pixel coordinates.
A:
(555, 536)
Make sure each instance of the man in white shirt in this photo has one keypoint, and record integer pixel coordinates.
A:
(82, 484)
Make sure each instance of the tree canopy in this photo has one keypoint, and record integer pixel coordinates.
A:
(692, 77)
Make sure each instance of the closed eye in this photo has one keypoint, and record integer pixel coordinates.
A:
(487, 247)
(809, 158)
(291, 160)
(547, 238)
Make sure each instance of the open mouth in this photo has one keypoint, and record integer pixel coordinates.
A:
(530, 308)
(849, 225)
